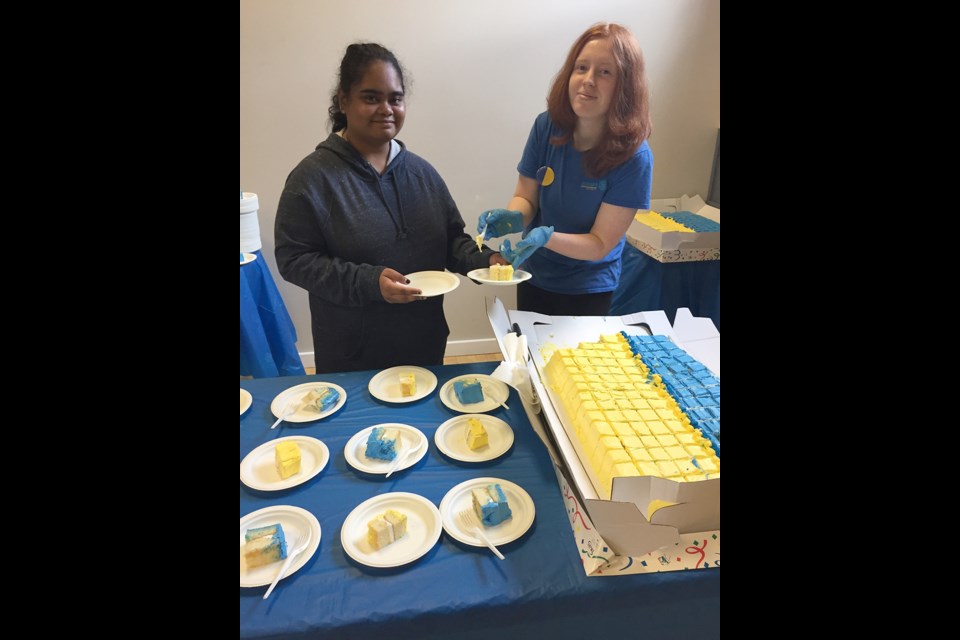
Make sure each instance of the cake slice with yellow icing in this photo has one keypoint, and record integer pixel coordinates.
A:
(287, 458)
(476, 434)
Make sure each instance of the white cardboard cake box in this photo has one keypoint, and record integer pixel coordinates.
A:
(621, 520)
(673, 240)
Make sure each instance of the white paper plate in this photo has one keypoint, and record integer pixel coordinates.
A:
(301, 414)
(451, 438)
(259, 470)
(294, 520)
(459, 499)
(356, 457)
(245, 400)
(433, 283)
(423, 530)
(247, 257)
(494, 392)
(483, 275)
(386, 384)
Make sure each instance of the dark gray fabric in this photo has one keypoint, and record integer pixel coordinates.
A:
(339, 224)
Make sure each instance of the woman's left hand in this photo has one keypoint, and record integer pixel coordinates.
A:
(535, 239)
(394, 289)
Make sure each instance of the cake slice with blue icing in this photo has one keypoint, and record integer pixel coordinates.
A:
(264, 545)
(383, 443)
(490, 505)
(468, 390)
(320, 399)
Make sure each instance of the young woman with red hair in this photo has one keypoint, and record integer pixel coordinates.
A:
(585, 171)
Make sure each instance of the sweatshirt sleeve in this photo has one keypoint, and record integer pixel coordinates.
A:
(303, 258)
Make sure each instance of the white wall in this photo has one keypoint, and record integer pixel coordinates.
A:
(479, 74)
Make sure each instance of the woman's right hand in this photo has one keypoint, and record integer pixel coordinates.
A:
(500, 222)
(394, 289)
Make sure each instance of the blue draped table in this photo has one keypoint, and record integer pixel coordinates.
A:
(268, 339)
(648, 285)
(455, 590)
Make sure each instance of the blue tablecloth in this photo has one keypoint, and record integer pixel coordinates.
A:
(647, 285)
(540, 589)
(268, 340)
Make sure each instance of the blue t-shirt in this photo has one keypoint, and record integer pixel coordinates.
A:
(570, 203)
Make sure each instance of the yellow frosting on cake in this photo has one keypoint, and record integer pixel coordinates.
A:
(657, 504)
(626, 422)
(476, 434)
(287, 458)
(656, 221)
(386, 528)
(408, 384)
(501, 272)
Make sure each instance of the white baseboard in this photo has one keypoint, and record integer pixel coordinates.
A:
(454, 348)
(471, 347)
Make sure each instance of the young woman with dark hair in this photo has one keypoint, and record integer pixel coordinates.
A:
(360, 212)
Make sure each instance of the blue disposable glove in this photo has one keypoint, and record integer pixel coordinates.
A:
(525, 248)
(499, 222)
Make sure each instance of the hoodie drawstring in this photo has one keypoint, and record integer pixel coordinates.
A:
(398, 220)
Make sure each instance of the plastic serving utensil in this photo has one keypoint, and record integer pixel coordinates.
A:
(480, 238)
(403, 456)
(302, 541)
(285, 413)
(469, 520)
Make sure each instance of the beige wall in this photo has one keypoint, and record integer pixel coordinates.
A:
(480, 73)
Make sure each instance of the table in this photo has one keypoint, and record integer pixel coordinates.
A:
(268, 339)
(539, 590)
(647, 284)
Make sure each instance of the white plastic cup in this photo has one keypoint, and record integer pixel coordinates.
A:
(249, 223)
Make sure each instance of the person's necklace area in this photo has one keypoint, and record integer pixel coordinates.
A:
(587, 135)
(582, 144)
(376, 158)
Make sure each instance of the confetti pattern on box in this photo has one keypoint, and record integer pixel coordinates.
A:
(699, 550)
(677, 255)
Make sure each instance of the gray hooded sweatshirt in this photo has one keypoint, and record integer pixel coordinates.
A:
(339, 224)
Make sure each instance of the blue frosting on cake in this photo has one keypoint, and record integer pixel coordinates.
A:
(264, 545)
(323, 398)
(380, 445)
(695, 389)
(693, 221)
(491, 506)
(468, 391)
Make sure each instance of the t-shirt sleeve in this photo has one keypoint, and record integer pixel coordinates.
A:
(534, 153)
(632, 182)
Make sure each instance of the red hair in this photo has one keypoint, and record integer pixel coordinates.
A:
(628, 120)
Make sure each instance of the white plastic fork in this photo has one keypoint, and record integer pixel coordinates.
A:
(286, 410)
(403, 456)
(502, 403)
(302, 541)
(469, 520)
(284, 414)
(481, 238)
